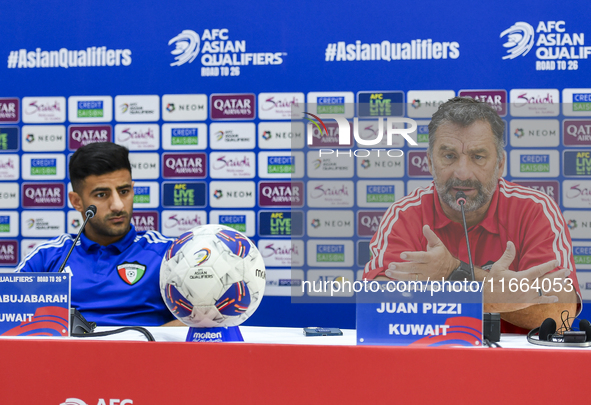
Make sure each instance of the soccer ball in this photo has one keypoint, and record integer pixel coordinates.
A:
(212, 276)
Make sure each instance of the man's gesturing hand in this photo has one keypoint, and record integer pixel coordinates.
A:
(435, 263)
(498, 296)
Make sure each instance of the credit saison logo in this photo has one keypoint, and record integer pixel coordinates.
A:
(534, 163)
(43, 167)
(4, 223)
(220, 55)
(344, 134)
(555, 48)
(582, 254)
(330, 253)
(141, 195)
(90, 109)
(237, 222)
(281, 164)
(380, 194)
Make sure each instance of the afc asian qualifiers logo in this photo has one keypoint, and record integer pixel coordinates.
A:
(131, 273)
(187, 47)
(520, 39)
(101, 401)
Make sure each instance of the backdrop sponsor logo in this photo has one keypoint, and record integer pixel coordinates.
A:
(138, 136)
(282, 252)
(582, 255)
(81, 135)
(175, 223)
(534, 163)
(39, 110)
(281, 194)
(144, 165)
(184, 107)
(188, 194)
(232, 165)
(576, 193)
(284, 283)
(325, 194)
(90, 109)
(424, 103)
(576, 102)
(43, 138)
(232, 106)
(318, 277)
(44, 166)
(551, 187)
(379, 193)
(281, 135)
(496, 98)
(332, 102)
(281, 164)
(9, 110)
(577, 163)
(73, 221)
(232, 135)
(44, 195)
(9, 195)
(146, 194)
(281, 223)
(184, 165)
(576, 132)
(555, 49)
(579, 223)
(418, 165)
(232, 194)
(8, 253)
(184, 136)
(584, 278)
(28, 245)
(368, 222)
(331, 166)
(534, 102)
(8, 139)
(330, 253)
(380, 103)
(278, 106)
(220, 56)
(420, 135)
(383, 166)
(42, 223)
(369, 131)
(330, 139)
(330, 223)
(242, 221)
(9, 224)
(137, 108)
(525, 133)
(9, 167)
(145, 220)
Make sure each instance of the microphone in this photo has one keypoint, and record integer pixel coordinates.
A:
(461, 200)
(89, 213)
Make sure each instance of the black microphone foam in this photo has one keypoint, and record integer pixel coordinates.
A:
(90, 211)
(585, 325)
(547, 329)
(460, 196)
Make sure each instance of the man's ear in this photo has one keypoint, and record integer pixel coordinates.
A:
(502, 164)
(429, 163)
(76, 201)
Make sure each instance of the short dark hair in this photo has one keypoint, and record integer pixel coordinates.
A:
(97, 159)
(464, 111)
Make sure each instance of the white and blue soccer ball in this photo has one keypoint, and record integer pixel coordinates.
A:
(212, 276)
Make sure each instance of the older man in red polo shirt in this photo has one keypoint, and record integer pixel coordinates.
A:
(514, 232)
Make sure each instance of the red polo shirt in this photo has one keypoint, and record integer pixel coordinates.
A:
(527, 217)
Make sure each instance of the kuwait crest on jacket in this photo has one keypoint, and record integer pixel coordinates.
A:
(131, 273)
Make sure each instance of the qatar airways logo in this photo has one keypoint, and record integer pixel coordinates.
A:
(184, 165)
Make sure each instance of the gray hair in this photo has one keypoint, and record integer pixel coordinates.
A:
(464, 111)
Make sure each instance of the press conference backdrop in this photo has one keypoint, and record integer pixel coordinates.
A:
(200, 93)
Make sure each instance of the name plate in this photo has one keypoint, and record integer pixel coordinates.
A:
(420, 314)
(34, 304)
